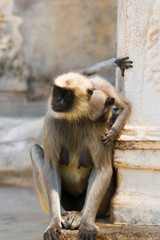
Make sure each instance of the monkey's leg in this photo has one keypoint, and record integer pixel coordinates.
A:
(122, 63)
(37, 158)
(105, 204)
(48, 197)
(98, 184)
(53, 186)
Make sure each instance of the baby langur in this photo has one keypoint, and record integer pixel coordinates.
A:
(100, 107)
(74, 171)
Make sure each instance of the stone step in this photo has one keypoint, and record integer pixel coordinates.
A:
(22, 218)
(118, 232)
(17, 129)
(15, 163)
(16, 137)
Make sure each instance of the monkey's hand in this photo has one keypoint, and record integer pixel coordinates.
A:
(123, 63)
(53, 230)
(88, 231)
(109, 136)
(71, 220)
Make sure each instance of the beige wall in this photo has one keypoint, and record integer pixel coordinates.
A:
(45, 38)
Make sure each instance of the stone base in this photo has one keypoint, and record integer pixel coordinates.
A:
(112, 232)
(137, 198)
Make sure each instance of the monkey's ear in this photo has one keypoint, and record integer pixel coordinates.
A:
(109, 102)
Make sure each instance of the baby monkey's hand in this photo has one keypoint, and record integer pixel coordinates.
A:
(109, 137)
(123, 63)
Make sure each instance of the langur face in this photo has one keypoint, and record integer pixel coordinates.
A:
(62, 99)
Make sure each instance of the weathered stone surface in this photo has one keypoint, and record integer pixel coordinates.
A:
(137, 153)
(62, 45)
(112, 232)
(138, 37)
(42, 39)
(15, 163)
(12, 67)
(22, 110)
(9, 83)
(15, 129)
(16, 137)
(15, 156)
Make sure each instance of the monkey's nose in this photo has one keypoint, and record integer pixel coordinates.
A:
(58, 99)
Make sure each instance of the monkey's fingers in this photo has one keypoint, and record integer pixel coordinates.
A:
(122, 72)
(75, 224)
(106, 141)
(124, 68)
(88, 232)
(71, 220)
(51, 235)
(123, 59)
(127, 66)
(64, 224)
(64, 213)
(53, 231)
(109, 137)
(123, 64)
(127, 62)
(65, 218)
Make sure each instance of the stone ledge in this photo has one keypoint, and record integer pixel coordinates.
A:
(15, 163)
(137, 145)
(22, 178)
(118, 232)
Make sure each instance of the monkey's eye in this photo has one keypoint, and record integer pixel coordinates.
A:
(69, 93)
(90, 92)
(56, 89)
(109, 101)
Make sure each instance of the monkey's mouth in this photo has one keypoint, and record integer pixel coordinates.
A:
(57, 109)
(60, 109)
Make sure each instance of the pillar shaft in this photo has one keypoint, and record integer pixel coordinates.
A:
(137, 150)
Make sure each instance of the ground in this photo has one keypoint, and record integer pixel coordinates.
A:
(20, 215)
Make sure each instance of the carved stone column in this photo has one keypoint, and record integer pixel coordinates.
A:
(137, 150)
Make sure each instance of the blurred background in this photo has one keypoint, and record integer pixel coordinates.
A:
(38, 41)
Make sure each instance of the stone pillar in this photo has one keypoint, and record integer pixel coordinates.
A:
(137, 149)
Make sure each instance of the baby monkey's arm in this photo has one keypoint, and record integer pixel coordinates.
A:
(122, 63)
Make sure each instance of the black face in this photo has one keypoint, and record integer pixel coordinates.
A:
(63, 99)
(108, 103)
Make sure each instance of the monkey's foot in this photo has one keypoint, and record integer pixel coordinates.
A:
(123, 63)
(53, 230)
(88, 231)
(109, 137)
(71, 220)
